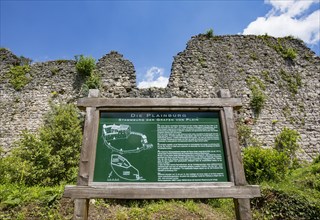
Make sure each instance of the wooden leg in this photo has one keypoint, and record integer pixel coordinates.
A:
(81, 208)
(242, 208)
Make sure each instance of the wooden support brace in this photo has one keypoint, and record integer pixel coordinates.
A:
(242, 205)
(81, 206)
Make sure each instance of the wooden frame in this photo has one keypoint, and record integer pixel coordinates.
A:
(236, 187)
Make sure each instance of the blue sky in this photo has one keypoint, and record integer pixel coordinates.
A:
(148, 33)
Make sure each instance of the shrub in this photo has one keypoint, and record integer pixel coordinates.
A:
(287, 142)
(264, 164)
(308, 177)
(92, 82)
(18, 76)
(289, 53)
(281, 204)
(245, 136)
(51, 156)
(317, 159)
(258, 100)
(209, 33)
(2, 166)
(258, 97)
(85, 65)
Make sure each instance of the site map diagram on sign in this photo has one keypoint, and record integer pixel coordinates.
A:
(117, 139)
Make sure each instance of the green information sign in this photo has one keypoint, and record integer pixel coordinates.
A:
(160, 147)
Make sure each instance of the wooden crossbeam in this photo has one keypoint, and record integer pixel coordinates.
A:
(160, 191)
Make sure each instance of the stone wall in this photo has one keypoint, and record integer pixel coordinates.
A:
(206, 65)
(118, 76)
(209, 64)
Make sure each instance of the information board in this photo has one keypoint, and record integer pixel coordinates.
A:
(160, 147)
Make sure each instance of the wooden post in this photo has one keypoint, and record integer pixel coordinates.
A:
(242, 206)
(81, 206)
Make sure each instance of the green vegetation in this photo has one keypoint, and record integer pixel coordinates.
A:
(287, 53)
(245, 135)
(54, 70)
(34, 173)
(54, 94)
(258, 97)
(317, 159)
(286, 111)
(264, 164)
(285, 195)
(85, 65)
(268, 164)
(297, 196)
(18, 76)
(92, 82)
(168, 209)
(257, 101)
(287, 142)
(255, 81)
(49, 157)
(203, 62)
(266, 76)
(293, 81)
(61, 61)
(307, 56)
(253, 56)
(2, 56)
(22, 202)
(229, 55)
(209, 33)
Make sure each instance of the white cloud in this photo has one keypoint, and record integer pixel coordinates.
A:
(290, 7)
(289, 18)
(154, 78)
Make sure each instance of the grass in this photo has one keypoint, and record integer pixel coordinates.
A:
(297, 196)
(18, 202)
(21, 202)
(166, 209)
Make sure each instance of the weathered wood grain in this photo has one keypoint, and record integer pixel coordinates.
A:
(242, 205)
(81, 206)
(161, 191)
(86, 149)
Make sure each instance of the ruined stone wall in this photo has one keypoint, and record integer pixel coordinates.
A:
(205, 66)
(118, 76)
(209, 64)
(54, 81)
